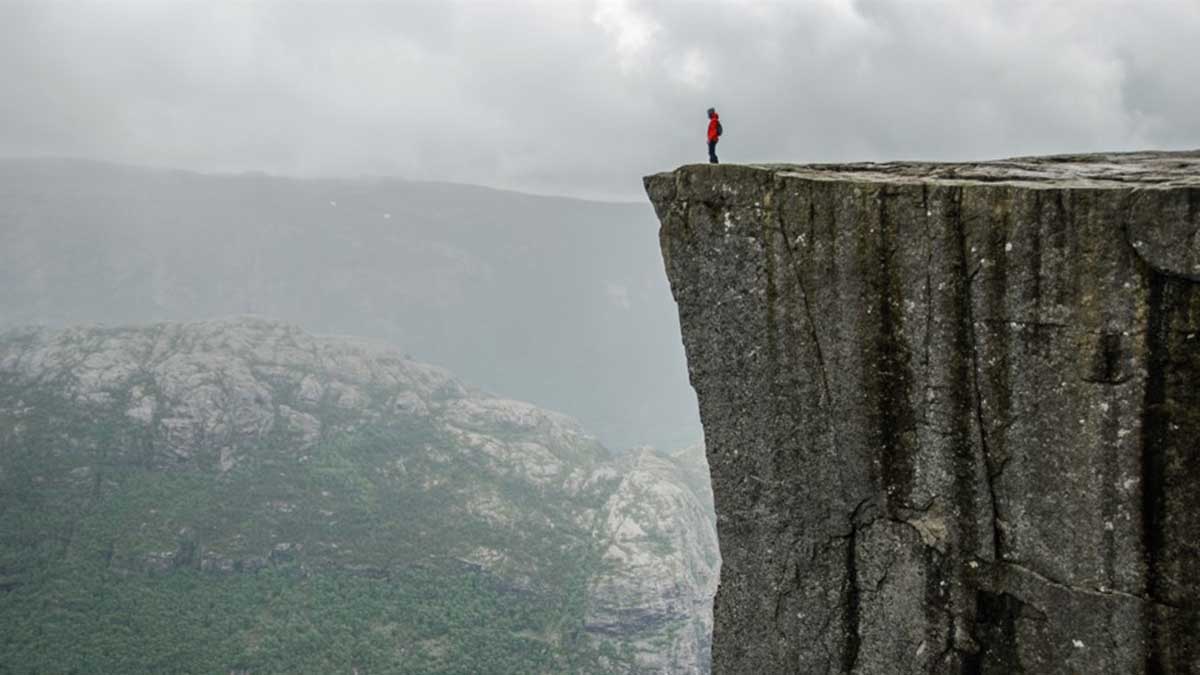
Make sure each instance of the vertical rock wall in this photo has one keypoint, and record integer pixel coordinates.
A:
(952, 411)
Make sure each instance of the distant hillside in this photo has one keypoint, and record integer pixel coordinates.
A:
(561, 302)
(240, 496)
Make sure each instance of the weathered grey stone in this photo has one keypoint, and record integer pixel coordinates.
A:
(659, 563)
(952, 411)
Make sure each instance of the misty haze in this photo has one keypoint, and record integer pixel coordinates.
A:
(341, 337)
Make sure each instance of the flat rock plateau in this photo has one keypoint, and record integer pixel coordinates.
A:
(951, 411)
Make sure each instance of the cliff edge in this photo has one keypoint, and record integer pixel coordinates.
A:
(952, 411)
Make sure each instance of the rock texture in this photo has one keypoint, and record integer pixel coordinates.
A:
(236, 445)
(951, 411)
(659, 562)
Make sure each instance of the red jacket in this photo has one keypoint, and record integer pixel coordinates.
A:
(712, 128)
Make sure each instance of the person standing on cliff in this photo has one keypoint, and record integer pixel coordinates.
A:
(714, 134)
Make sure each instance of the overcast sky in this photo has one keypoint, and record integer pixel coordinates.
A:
(583, 98)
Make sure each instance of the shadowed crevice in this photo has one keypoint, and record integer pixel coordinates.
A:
(1154, 422)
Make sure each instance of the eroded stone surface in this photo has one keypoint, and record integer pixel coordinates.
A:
(659, 553)
(951, 410)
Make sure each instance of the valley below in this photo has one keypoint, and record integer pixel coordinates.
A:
(238, 495)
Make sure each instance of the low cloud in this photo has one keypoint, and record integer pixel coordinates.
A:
(583, 98)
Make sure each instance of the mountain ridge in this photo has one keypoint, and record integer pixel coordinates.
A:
(558, 302)
(245, 459)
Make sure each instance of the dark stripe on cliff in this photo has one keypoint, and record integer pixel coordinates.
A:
(1170, 474)
(964, 383)
(1154, 427)
(889, 372)
(997, 630)
(852, 607)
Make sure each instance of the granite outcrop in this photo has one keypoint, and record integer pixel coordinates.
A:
(952, 411)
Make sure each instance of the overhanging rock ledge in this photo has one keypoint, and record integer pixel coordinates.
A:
(952, 411)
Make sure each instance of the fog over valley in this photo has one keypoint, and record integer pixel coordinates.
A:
(557, 301)
(599, 336)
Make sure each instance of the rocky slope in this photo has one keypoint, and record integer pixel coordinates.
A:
(228, 467)
(659, 561)
(951, 410)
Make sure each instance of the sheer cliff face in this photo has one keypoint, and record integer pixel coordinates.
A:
(951, 411)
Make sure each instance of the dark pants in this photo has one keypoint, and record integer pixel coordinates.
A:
(712, 152)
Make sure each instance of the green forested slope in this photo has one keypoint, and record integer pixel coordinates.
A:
(242, 497)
